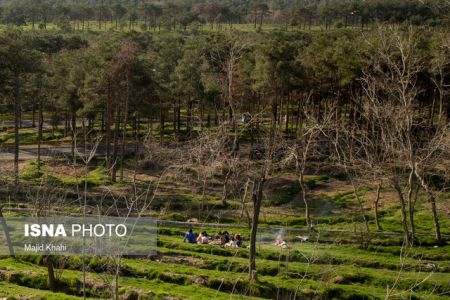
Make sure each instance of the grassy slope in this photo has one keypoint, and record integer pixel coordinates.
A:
(31, 273)
(305, 269)
(11, 290)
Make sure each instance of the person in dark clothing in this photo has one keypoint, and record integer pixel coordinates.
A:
(226, 236)
(190, 237)
(238, 240)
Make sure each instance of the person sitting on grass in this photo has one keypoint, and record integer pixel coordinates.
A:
(190, 237)
(224, 238)
(236, 242)
(203, 238)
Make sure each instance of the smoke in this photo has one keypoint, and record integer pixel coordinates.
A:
(280, 234)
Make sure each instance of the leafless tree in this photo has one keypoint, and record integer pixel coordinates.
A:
(274, 153)
(346, 157)
(306, 149)
(227, 58)
(392, 93)
(440, 65)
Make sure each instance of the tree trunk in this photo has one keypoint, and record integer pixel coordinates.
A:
(6, 233)
(33, 114)
(287, 113)
(40, 127)
(297, 121)
(448, 112)
(108, 127)
(305, 200)
(136, 135)
(376, 202)
(150, 125)
(257, 201)
(179, 117)
(17, 105)
(244, 206)
(403, 210)
(74, 136)
(189, 117)
(361, 208)
(115, 145)
(274, 117)
(161, 123)
(410, 204)
(48, 260)
(201, 117)
(216, 117)
(432, 108)
(174, 121)
(124, 134)
(432, 201)
(124, 126)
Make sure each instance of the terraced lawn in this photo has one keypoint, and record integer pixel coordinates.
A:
(186, 271)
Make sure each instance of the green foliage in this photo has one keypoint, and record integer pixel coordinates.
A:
(96, 177)
(175, 217)
(32, 171)
(214, 16)
(283, 195)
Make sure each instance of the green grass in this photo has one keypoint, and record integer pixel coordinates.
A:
(326, 269)
(33, 174)
(31, 275)
(30, 136)
(310, 270)
(327, 253)
(32, 171)
(96, 177)
(12, 291)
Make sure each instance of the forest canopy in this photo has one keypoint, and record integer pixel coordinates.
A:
(151, 14)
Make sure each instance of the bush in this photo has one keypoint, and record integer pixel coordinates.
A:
(31, 171)
(175, 217)
(98, 264)
(283, 195)
(34, 281)
(338, 25)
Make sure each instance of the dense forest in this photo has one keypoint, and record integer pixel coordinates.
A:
(188, 83)
(154, 15)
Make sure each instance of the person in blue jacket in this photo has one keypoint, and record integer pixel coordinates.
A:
(190, 237)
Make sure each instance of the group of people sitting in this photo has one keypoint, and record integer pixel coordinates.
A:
(224, 239)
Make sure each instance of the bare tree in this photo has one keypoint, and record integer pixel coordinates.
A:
(307, 149)
(227, 57)
(209, 155)
(392, 92)
(274, 147)
(440, 65)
